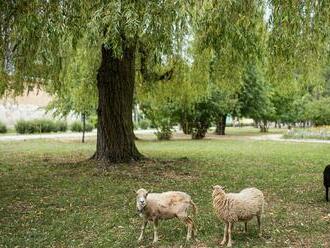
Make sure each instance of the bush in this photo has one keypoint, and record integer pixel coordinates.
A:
(24, 127)
(44, 126)
(3, 128)
(144, 124)
(77, 126)
(61, 126)
(40, 126)
(164, 134)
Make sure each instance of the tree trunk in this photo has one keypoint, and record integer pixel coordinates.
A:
(264, 126)
(84, 127)
(221, 125)
(115, 84)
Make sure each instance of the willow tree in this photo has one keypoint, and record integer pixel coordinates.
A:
(38, 38)
(234, 31)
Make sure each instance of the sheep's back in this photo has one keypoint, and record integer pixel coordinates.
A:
(168, 204)
(246, 204)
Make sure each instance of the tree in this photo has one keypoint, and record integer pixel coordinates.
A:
(235, 35)
(122, 32)
(255, 97)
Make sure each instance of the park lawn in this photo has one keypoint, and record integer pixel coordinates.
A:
(47, 199)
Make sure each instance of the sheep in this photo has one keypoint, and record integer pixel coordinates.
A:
(167, 205)
(326, 181)
(235, 207)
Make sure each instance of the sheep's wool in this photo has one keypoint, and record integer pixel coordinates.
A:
(242, 206)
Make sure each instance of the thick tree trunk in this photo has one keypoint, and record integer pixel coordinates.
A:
(115, 83)
(221, 125)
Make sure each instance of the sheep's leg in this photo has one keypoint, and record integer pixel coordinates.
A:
(189, 223)
(259, 224)
(155, 230)
(194, 231)
(144, 224)
(224, 240)
(327, 193)
(230, 228)
(245, 226)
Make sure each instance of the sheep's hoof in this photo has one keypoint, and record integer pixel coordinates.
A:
(223, 242)
(139, 240)
(229, 245)
(155, 241)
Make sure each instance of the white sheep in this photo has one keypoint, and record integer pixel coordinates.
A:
(156, 206)
(235, 207)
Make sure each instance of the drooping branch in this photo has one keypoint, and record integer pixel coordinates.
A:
(147, 74)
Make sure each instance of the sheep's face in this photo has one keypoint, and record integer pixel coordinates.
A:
(141, 199)
(218, 189)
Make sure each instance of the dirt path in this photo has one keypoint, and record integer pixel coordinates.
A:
(278, 137)
(77, 136)
(68, 135)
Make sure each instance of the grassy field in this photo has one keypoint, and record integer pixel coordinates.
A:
(47, 199)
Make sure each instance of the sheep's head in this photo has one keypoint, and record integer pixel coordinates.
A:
(141, 199)
(217, 189)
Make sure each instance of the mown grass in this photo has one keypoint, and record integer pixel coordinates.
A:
(47, 199)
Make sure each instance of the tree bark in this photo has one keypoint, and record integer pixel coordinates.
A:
(264, 126)
(115, 84)
(221, 125)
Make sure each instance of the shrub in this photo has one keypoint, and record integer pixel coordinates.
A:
(164, 134)
(40, 126)
(61, 126)
(3, 128)
(88, 127)
(24, 127)
(77, 126)
(44, 126)
(144, 124)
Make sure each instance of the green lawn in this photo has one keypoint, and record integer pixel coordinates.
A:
(49, 200)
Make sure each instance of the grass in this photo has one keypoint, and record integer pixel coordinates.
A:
(49, 200)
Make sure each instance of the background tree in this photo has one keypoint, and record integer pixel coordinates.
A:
(234, 32)
(255, 97)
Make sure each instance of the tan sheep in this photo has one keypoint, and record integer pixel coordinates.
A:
(235, 207)
(157, 206)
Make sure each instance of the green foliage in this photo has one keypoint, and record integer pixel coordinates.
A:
(40, 126)
(77, 126)
(255, 96)
(164, 133)
(61, 126)
(161, 118)
(318, 111)
(298, 39)
(144, 124)
(203, 114)
(3, 128)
